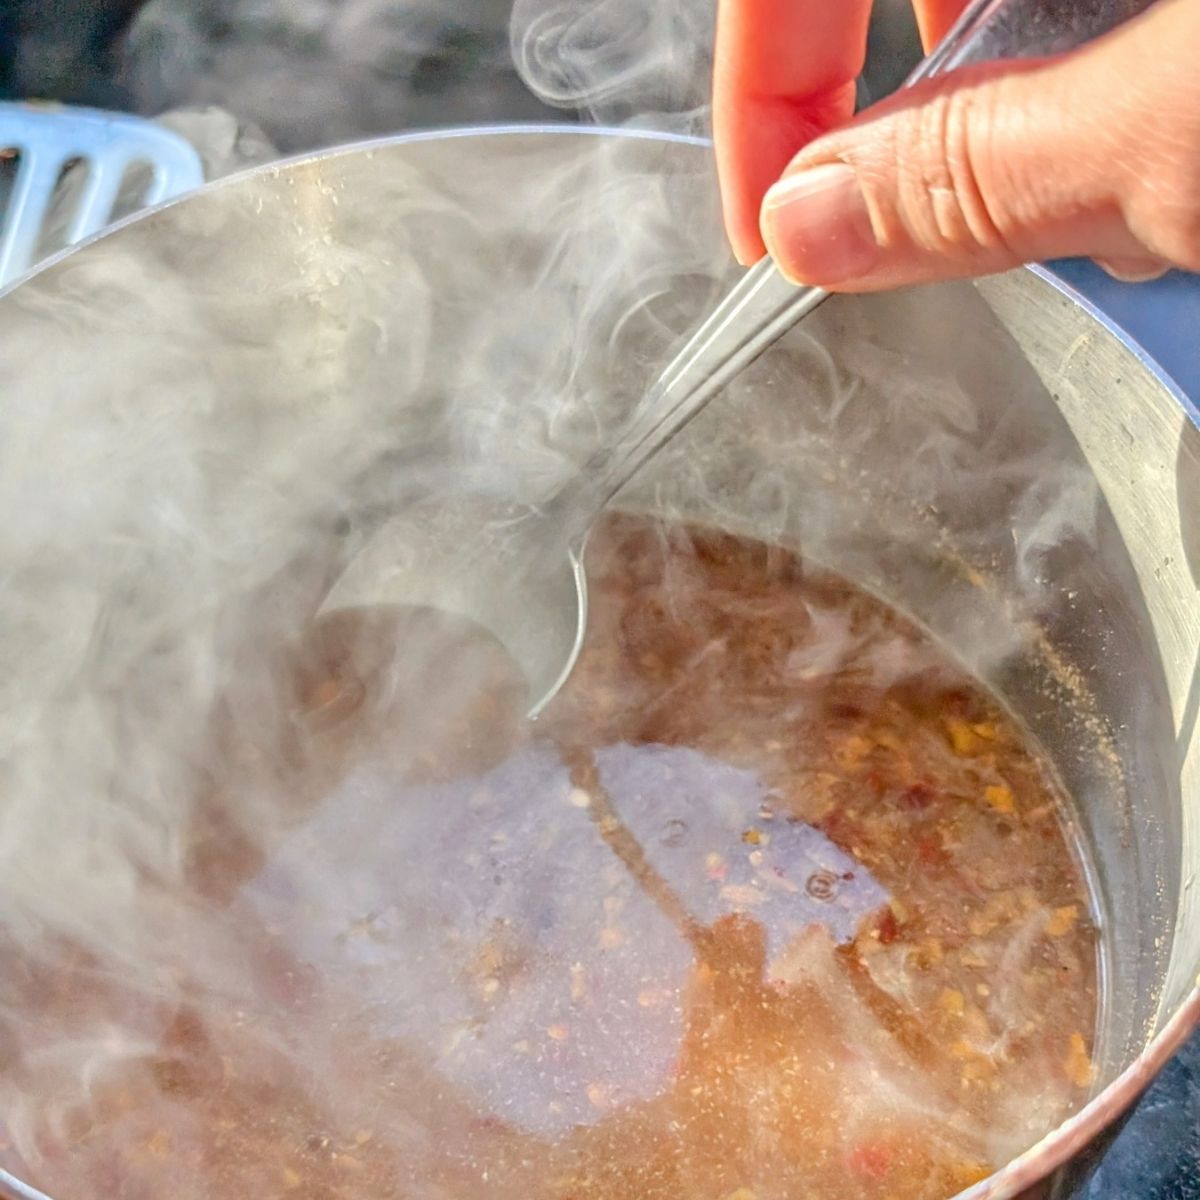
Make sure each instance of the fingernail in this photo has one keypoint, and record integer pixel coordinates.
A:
(817, 226)
(1127, 270)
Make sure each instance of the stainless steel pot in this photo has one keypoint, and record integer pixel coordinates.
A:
(992, 458)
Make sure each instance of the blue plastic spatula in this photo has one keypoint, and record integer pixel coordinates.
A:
(46, 139)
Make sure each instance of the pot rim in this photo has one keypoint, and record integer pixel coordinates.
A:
(1069, 1138)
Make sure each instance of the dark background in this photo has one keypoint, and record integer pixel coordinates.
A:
(307, 72)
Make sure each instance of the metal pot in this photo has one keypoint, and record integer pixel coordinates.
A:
(992, 458)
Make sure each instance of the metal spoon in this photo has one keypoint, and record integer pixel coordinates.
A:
(519, 572)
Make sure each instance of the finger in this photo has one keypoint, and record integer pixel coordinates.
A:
(784, 73)
(1094, 154)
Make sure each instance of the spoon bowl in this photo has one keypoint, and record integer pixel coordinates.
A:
(508, 569)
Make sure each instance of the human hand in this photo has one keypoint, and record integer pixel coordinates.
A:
(1095, 153)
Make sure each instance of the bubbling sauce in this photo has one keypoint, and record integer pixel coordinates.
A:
(774, 902)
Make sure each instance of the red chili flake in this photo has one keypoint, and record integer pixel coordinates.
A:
(931, 851)
(871, 1160)
(917, 797)
(839, 828)
(888, 928)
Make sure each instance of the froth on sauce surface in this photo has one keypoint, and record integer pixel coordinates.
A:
(773, 903)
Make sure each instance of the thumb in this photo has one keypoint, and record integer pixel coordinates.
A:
(1095, 153)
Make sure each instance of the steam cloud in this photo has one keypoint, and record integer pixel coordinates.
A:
(319, 72)
(618, 61)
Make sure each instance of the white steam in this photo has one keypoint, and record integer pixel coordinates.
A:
(618, 60)
(319, 72)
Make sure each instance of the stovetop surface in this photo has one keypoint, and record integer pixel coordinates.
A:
(312, 73)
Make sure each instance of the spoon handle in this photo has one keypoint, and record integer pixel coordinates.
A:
(763, 305)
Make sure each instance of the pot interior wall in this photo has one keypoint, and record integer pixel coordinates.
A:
(968, 453)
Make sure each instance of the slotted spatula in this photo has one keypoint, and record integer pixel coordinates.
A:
(45, 139)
